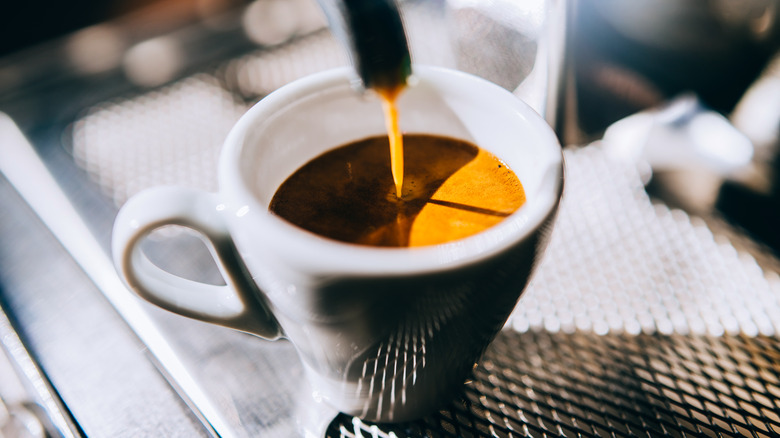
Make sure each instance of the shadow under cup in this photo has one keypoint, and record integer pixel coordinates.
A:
(388, 334)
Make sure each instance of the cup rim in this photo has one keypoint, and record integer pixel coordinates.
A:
(328, 256)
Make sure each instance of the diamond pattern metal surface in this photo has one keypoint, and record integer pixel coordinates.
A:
(541, 384)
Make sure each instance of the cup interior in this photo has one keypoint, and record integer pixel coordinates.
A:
(311, 116)
(438, 102)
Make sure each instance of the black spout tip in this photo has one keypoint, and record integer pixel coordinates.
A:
(375, 34)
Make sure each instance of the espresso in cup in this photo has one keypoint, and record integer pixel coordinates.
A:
(451, 189)
(387, 334)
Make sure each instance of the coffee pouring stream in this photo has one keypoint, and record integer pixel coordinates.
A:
(373, 32)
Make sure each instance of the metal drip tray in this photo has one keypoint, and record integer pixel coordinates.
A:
(582, 384)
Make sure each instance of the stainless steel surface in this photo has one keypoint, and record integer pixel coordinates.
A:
(29, 176)
(29, 406)
(97, 366)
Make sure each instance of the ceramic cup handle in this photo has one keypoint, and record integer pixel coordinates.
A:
(238, 304)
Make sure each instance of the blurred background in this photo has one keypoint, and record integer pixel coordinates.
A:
(645, 52)
(119, 95)
(618, 59)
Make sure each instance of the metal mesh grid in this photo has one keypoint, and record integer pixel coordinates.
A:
(169, 136)
(617, 262)
(540, 384)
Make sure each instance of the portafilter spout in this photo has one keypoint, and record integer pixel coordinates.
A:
(374, 34)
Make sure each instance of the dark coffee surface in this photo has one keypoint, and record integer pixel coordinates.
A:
(451, 189)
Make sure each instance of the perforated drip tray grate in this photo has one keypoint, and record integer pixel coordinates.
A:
(540, 384)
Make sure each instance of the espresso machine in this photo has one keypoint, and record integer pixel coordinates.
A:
(655, 310)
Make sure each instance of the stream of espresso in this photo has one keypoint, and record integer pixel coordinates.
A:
(388, 98)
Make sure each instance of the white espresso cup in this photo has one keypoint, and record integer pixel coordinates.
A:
(386, 334)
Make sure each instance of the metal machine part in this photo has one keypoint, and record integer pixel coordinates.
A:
(374, 33)
(29, 405)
